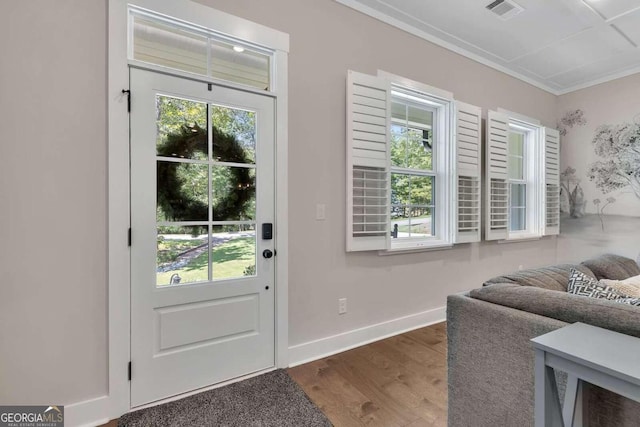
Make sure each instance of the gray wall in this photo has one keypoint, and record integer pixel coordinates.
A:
(53, 260)
(53, 185)
(327, 39)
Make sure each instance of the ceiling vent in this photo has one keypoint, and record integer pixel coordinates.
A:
(505, 9)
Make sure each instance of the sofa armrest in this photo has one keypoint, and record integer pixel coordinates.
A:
(490, 368)
(490, 362)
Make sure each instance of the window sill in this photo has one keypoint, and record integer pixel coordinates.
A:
(522, 238)
(415, 249)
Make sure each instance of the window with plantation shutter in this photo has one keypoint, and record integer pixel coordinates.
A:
(552, 182)
(497, 190)
(522, 178)
(468, 173)
(413, 166)
(368, 117)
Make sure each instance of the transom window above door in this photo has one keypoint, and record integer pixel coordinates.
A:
(154, 39)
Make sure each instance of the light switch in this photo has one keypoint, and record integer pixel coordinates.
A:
(321, 212)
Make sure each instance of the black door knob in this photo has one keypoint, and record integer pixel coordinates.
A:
(267, 253)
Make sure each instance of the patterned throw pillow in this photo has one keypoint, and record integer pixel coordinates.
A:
(623, 288)
(629, 287)
(583, 285)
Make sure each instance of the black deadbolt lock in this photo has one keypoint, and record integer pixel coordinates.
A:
(267, 231)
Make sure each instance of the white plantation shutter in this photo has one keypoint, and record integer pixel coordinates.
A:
(497, 189)
(368, 198)
(552, 181)
(468, 173)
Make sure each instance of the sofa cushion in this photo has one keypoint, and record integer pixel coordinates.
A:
(614, 267)
(563, 306)
(554, 278)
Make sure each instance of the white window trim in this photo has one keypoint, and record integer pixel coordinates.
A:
(416, 86)
(520, 118)
(442, 166)
(117, 400)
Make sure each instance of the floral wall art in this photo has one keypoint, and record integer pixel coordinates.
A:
(600, 164)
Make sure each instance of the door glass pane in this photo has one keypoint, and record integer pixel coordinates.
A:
(182, 128)
(233, 251)
(182, 191)
(234, 193)
(182, 255)
(197, 187)
(234, 135)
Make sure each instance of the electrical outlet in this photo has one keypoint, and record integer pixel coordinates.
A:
(342, 306)
(520, 267)
(321, 212)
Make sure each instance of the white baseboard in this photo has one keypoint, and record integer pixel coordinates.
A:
(89, 413)
(323, 347)
(94, 412)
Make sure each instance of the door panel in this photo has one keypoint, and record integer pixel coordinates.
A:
(202, 182)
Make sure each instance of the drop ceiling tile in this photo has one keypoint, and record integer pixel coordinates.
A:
(630, 25)
(612, 8)
(577, 51)
(554, 44)
(468, 21)
(620, 63)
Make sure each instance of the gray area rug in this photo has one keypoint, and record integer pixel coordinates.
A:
(272, 399)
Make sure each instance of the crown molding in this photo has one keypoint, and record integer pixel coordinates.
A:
(367, 10)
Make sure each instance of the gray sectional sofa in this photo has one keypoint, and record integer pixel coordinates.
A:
(490, 357)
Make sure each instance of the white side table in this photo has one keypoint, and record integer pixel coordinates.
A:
(587, 354)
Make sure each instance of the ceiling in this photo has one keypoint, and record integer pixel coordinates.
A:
(557, 45)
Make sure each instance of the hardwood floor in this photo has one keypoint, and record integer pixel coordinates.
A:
(400, 381)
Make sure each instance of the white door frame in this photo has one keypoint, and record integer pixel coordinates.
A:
(119, 282)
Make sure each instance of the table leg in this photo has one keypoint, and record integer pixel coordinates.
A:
(572, 409)
(548, 412)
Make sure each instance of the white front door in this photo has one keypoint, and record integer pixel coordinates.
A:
(202, 190)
